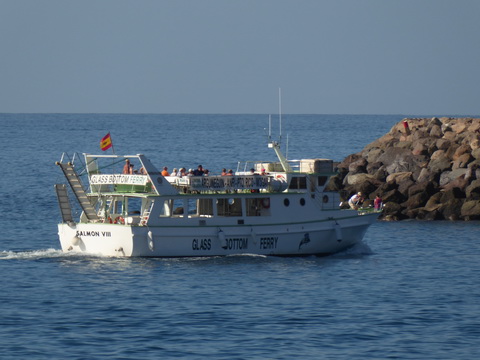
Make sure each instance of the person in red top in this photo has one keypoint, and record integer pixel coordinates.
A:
(165, 171)
(377, 203)
(126, 167)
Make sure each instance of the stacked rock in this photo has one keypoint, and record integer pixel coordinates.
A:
(425, 169)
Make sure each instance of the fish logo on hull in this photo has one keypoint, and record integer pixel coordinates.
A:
(305, 240)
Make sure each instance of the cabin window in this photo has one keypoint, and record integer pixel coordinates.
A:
(165, 209)
(322, 180)
(178, 207)
(254, 207)
(229, 207)
(118, 207)
(298, 182)
(134, 206)
(286, 202)
(205, 207)
(302, 201)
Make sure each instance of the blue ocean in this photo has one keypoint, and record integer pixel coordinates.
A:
(411, 290)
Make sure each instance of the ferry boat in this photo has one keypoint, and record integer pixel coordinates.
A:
(275, 208)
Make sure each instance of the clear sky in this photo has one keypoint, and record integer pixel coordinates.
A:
(414, 57)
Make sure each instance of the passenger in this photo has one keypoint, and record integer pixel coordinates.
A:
(263, 173)
(165, 171)
(131, 170)
(126, 167)
(224, 172)
(190, 172)
(377, 203)
(230, 172)
(355, 201)
(182, 172)
(199, 171)
(143, 171)
(174, 172)
(206, 172)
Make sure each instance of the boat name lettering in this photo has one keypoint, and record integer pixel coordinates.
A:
(201, 244)
(237, 243)
(104, 179)
(269, 242)
(94, 233)
(233, 182)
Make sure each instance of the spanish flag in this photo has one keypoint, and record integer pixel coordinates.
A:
(106, 142)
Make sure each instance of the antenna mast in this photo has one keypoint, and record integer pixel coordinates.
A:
(280, 113)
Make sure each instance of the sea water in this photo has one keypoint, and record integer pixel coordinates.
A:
(409, 291)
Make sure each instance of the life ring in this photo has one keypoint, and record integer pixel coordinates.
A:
(119, 220)
(266, 203)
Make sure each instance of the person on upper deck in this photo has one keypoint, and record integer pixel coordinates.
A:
(165, 171)
(224, 172)
(126, 167)
(230, 172)
(199, 171)
(174, 172)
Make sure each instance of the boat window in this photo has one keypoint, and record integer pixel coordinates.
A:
(229, 207)
(165, 208)
(205, 207)
(134, 205)
(118, 207)
(177, 207)
(298, 182)
(254, 207)
(302, 201)
(286, 202)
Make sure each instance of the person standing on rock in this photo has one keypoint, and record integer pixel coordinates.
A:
(377, 203)
(355, 201)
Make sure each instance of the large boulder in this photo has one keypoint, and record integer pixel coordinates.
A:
(471, 210)
(472, 192)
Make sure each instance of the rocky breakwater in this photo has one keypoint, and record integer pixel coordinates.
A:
(426, 169)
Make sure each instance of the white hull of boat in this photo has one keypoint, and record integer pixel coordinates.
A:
(292, 239)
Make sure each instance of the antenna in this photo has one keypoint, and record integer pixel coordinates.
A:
(269, 128)
(280, 113)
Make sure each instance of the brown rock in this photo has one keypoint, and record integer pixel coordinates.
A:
(440, 163)
(461, 150)
(419, 149)
(472, 192)
(404, 186)
(427, 187)
(452, 209)
(434, 202)
(427, 175)
(393, 209)
(436, 131)
(471, 210)
(462, 161)
(399, 177)
(416, 201)
(357, 167)
(443, 144)
(449, 135)
(448, 176)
